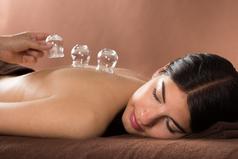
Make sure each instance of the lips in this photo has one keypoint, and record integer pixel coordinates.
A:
(134, 123)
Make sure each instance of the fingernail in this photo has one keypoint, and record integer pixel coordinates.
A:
(45, 44)
(49, 44)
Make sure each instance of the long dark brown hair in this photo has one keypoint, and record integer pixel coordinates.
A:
(211, 83)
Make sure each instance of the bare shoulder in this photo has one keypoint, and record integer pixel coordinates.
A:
(130, 74)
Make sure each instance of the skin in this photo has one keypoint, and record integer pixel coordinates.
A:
(152, 112)
(63, 102)
(80, 103)
(23, 48)
(56, 103)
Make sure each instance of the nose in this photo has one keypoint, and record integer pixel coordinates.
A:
(147, 110)
(147, 115)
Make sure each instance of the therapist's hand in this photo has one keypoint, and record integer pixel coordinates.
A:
(23, 48)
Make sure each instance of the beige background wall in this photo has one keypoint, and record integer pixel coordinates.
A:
(146, 33)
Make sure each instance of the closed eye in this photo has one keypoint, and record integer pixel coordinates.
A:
(161, 98)
(155, 95)
(178, 128)
(171, 130)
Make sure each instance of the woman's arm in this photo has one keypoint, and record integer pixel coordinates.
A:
(48, 117)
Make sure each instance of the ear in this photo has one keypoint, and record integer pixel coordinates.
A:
(158, 72)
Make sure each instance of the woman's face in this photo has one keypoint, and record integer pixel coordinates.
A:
(158, 109)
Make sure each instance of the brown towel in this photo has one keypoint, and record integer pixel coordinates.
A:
(220, 130)
(13, 69)
(117, 147)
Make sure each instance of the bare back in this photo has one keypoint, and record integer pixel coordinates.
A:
(65, 102)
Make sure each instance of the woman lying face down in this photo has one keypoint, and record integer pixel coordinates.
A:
(186, 96)
(158, 109)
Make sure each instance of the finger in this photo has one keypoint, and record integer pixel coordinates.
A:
(41, 46)
(11, 57)
(28, 60)
(39, 35)
(45, 45)
(36, 36)
(35, 53)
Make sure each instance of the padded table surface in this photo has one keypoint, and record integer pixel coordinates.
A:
(117, 147)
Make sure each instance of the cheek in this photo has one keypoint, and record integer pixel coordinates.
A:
(141, 94)
(135, 103)
(126, 117)
(144, 89)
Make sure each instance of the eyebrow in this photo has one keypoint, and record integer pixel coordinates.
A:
(163, 91)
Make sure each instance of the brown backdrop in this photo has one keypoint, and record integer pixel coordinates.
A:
(146, 33)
